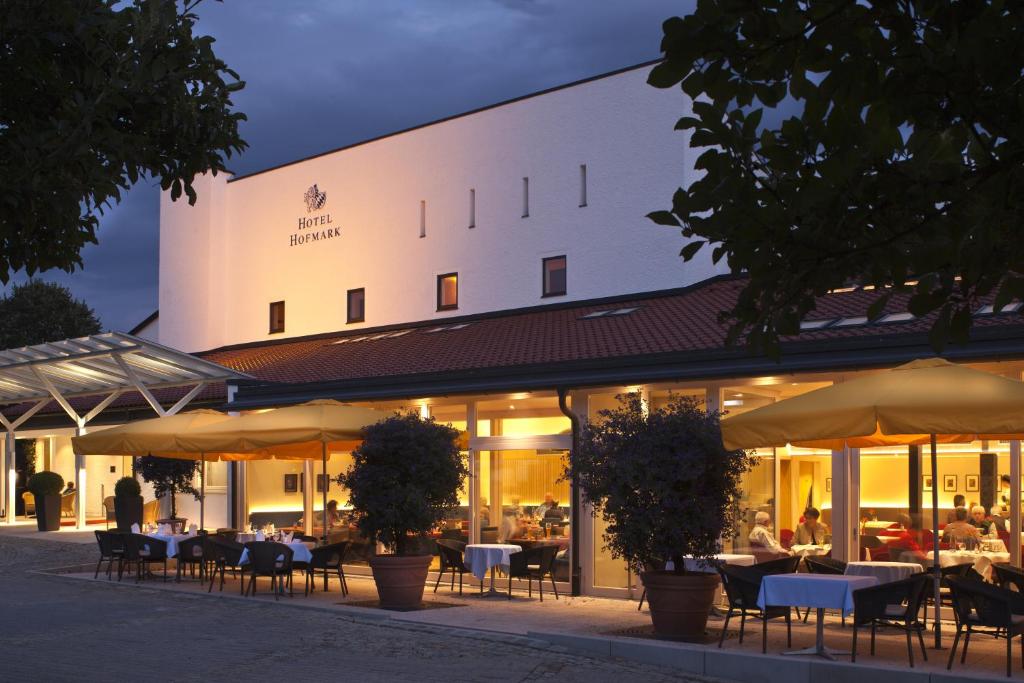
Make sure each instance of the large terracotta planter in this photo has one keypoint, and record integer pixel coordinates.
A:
(680, 603)
(400, 579)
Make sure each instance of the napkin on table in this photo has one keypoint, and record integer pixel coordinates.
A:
(260, 536)
(287, 537)
(135, 528)
(192, 529)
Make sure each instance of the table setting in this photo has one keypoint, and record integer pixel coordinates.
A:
(981, 560)
(480, 558)
(300, 549)
(810, 549)
(885, 572)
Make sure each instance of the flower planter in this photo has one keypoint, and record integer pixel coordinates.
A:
(48, 512)
(400, 579)
(679, 603)
(127, 511)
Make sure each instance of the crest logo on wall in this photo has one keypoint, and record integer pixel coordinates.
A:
(315, 199)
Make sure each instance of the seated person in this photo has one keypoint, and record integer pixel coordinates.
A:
(484, 512)
(978, 519)
(761, 535)
(958, 502)
(907, 542)
(70, 488)
(811, 531)
(509, 527)
(549, 508)
(960, 530)
(999, 523)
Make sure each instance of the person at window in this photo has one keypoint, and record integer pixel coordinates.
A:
(761, 535)
(509, 527)
(549, 508)
(960, 530)
(811, 531)
(958, 502)
(999, 523)
(1004, 491)
(485, 512)
(909, 540)
(978, 519)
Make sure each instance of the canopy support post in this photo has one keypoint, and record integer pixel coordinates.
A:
(202, 491)
(936, 575)
(1015, 505)
(323, 454)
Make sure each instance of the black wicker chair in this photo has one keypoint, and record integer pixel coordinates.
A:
(326, 558)
(986, 609)
(192, 554)
(1009, 577)
(266, 558)
(783, 565)
(533, 565)
(896, 604)
(143, 552)
(450, 553)
(112, 547)
(824, 565)
(224, 555)
(742, 585)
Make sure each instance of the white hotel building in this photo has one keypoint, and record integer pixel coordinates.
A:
(477, 268)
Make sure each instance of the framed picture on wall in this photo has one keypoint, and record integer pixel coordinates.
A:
(828, 484)
(323, 483)
(926, 482)
(949, 482)
(291, 483)
(971, 483)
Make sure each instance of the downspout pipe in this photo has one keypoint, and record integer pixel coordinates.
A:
(574, 505)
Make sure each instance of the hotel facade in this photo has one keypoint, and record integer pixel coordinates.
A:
(495, 270)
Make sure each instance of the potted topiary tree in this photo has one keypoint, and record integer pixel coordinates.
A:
(127, 503)
(169, 476)
(46, 488)
(404, 480)
(666, 488)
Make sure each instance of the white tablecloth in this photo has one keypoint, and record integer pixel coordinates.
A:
(300, 553)
(813, 550)
(480, 557)
(693, 565)
(885, 572)
(812, 590)
(172, 542)
(982, 561)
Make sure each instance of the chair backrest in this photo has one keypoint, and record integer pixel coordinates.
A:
(140, 546)
(873, 602)
(30, 500)
(330, 556)
(783, 565)
(991, 604)
(267, 556)
(548, 553)
(742, 584)
(107, 541)
(489, 534)
(67, 502)
(450, 553)
(1009, 576)
(786, 538)
(824, 565)
(225, 550)
(191, 549)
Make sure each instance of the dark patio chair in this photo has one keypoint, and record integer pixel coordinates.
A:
(224, 554)
(1009, 577)
(742, 585)
(326, 558)
(989, 610)
(266, 558)
(824, 565)
(143, 552)
(783, 565)
(192, 554)
(896, 604)
(452, 560)
(112, 547)
(533, 565)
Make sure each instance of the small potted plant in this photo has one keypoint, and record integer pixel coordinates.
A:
(46, 488)
(666, 488)
(169, 476)
(403, 482)
(127, 503)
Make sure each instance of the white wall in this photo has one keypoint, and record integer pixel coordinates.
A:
(224, 260)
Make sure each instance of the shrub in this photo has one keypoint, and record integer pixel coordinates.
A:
(127, 487)
(169, 476)
(404, 479)
(663, 482)
(45, 484)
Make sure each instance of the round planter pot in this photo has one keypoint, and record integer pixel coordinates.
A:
(127, 511)
(400, 579)
(48, 512)
(680, 603)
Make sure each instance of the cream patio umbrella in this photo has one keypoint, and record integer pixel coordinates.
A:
(925, 401)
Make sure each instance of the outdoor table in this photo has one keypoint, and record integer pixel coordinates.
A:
(480, 558)
(982, 561)
(885, 572)
(819, 591)
(813, 550)
(693, 565)
(300, 552)
(171, 540)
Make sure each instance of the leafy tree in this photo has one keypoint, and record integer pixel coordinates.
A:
(97, 94)
(169, 476)
(37, 312)
(871, 143)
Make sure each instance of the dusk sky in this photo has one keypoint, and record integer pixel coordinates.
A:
(322, 74)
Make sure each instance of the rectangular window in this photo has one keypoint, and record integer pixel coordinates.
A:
(356, 305)
(583, 185)
(423, 218)
(447, 292)
(277, 317)
(472, 208)
(526, 197)
(554, 280)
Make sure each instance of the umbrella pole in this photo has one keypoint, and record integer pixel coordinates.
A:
(936, 576)
(323, 454)
(202, 491)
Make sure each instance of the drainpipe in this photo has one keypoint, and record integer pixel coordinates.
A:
(574, 507)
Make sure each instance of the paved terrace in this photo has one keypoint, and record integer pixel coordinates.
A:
(612, 632)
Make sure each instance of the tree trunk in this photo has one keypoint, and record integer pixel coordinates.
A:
(679, 564)
(399, 543)
(174, 507)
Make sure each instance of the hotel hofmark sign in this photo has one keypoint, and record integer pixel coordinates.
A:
(316, 227)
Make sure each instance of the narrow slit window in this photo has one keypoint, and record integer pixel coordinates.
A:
(583, 185)
(526, 197)
(423, 218)
(356, 305)
(277, 317)
(447, 291)
(553, 279)
(472, 208)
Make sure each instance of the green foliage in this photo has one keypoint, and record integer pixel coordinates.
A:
(37, 312)
(25, 449)
(98, 94)
(853, 143)
(169, 476)
(405, 478)
(127, 487)
(45, 484)
(661, 480)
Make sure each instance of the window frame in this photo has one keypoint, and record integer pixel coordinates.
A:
(544, 276)
(349, 319)
(440, 288)
(270, 325)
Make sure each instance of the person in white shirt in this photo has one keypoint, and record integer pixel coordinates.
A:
(761, 535)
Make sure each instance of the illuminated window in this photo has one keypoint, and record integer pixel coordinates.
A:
(356, 305)
(447, 291)
(554, 280)
(277, 317)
